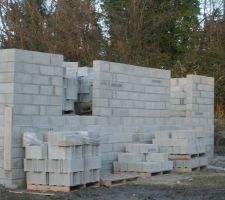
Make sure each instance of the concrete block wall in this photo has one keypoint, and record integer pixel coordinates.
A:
(193, 98)
(31, 84)
(128, 90)
(128, 101)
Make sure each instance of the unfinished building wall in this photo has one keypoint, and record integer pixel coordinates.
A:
(130, 103)
(192, 98)
(128, 90)
(33, 87)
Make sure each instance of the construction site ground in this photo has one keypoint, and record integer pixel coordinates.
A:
(204, 185)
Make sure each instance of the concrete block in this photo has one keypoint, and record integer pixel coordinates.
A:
(91, 176)
(98, 111)
(26, 89)
(122, 78)
(38, 178)
(6, 77)
(46, 90)
(36, 152)
(66, 165)
(26, 110)
(203, 161)
(41, 80)
(99, 93)
(190, 149)
(103, 76)
(56, 60)
(193, 163)
(35, 165)
(66, 179)
(156, 157)
(99, 65)
(69, 153)
(131, 157)
(142, 148)
(167, 165)
(151, 167)
(28, 68)
(92, 162)
(119, 166)
(47, 70)
(65, 139)
(6, 88)
(56, 81)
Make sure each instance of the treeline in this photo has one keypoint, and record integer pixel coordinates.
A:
(185, 36)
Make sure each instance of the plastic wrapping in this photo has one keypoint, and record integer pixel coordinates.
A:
(30, 138)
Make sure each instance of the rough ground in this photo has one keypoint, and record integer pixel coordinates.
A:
(195, 186)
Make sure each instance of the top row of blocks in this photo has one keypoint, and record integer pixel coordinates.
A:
(104, 66)
(17, 55)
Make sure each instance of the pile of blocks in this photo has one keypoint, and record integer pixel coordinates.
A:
(85, 76)
(77, 86)
(70, 85)
(186, 148)
(142, 158)
(67, 159)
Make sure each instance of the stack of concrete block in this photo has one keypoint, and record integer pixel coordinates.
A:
(142, 158)
(200, 97)
(68, 159)
(186, 148)
(178, 97)
(70, 83)
(85, 77)
(36, 164)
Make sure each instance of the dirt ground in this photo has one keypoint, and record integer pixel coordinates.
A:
(194, 186)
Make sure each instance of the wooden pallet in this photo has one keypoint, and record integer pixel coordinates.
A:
(117, 179)
(189, 170)
(144, 174)
(185, 156)
(54, 188)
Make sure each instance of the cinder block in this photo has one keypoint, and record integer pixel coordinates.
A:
(35, 165)
(119, 166)
(66, 165)
(190, 149)
(92, 162)
(46, 90)
(99, 65)
(203, 161)
(66, 179)
(65, 139)
(36, 152)
(38, 178)
(156, 157)
(192, 163)
(91, 176)
(167, 165)
(142, 148)
(151, 167)
(69, 153)
(41, 80)
(134, 167)
(131, 157)
(47, 70)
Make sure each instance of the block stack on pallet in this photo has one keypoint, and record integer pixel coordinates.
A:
(143, 159)
(67, 160)
(187, 149)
